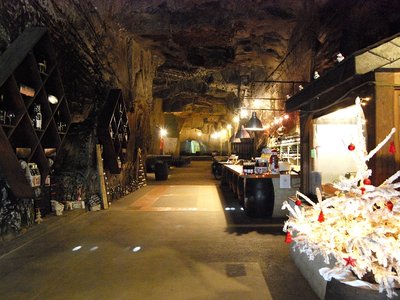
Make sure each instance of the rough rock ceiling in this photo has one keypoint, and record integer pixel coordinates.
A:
(208, 47)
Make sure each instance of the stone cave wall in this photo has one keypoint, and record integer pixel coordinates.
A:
(93, 55)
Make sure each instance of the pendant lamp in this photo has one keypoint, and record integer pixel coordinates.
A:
(254, 124)
(242, 133)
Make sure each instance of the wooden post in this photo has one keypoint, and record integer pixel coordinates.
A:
(100, 171)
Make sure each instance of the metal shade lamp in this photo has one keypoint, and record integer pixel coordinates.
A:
(254, 124)
(242, 133)
(239, 135)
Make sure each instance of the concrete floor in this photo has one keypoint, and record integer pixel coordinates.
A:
(191, 247)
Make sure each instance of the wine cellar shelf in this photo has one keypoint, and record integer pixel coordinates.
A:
(113, 132)
(34, 114)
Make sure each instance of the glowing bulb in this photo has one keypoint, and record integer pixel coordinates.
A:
(76, 248)
(199, 133)
(244, 113)
(136, 249)
(163, 132)
(229, 126)
(286, 117)
(236, 119)
(257, 103)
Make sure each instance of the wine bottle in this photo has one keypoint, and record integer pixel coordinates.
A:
(38, 117)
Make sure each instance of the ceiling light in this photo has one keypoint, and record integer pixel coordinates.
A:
(254, 124)
(242, 133)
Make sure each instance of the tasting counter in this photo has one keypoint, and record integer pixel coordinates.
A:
(260, 195)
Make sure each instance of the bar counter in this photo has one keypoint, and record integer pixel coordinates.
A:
(260, 195)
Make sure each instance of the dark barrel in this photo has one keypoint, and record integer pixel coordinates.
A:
(259, 197)
(161, 170)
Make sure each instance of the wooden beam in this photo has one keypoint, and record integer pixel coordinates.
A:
(100, 170)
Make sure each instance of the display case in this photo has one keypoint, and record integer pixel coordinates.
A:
(289, 150)
(34, 114)
(113, 132)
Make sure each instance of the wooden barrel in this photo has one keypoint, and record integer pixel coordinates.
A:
(240, 190)
(259, 197)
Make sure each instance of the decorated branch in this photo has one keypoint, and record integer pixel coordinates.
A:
(358, 229)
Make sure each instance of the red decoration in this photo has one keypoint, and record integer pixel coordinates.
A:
(350, 261)
(298, 202)
(367, 181)
(321, 217)
(288, 238)
(389, 205)
(351, 147)
(392, 148)
(362, 189)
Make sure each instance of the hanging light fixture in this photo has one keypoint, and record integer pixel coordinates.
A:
(254, 124)
(242, 133)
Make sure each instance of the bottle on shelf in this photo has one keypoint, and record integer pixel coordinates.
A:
(37, 117)
(42, 66)
(9, 117)
(2, 110)
(119, 162)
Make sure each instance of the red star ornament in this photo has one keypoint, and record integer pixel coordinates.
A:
(362, 189)
(298, 202)
(389, 205)
(350, 261)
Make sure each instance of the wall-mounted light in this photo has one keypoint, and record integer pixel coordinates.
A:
(163, 132)
(52, 99)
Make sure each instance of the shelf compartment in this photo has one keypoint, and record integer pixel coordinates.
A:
(54, 88)
(62, 117)
(50, 138)
(24, 136)
(44, 55)
(111, 125)
(11, 169)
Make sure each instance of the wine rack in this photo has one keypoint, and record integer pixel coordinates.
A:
(113, 131)
(34, 114)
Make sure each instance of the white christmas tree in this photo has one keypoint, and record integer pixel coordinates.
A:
(359, 227)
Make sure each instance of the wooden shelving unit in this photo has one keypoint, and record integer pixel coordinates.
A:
(28, 77)
(113, 131)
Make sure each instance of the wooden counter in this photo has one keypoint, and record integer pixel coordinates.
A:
(260, 195)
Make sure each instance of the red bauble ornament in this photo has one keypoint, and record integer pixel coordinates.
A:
(321, 217)
(288, 238)
(362, 189)
(351, 147)
(367, 181)
(298, 202)
(389, 205)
